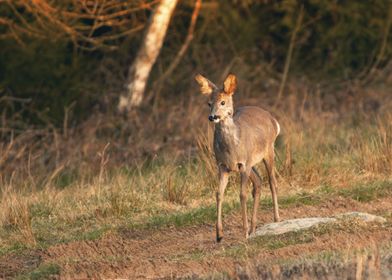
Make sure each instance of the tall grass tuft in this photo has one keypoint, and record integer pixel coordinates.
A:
(375, 149)
(15, 215)
(206, 156)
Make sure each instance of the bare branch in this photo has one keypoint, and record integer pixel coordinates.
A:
(289, 54)
(77, 20)
(187, 41)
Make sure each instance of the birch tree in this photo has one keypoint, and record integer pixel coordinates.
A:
(139, 71)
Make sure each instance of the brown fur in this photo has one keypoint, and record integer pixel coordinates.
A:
(241, 140)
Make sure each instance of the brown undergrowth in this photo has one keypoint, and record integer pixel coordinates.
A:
(84, 181)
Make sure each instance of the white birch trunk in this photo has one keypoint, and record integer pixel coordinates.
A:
(140, 69)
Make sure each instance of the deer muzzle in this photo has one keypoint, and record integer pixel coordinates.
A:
(214, 118)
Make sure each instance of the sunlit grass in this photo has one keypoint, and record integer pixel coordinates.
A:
(44, 271)
(316, 158)
(50, 226)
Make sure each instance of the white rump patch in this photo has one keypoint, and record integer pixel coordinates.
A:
(278, 128)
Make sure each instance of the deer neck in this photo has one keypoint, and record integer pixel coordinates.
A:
(228, 130)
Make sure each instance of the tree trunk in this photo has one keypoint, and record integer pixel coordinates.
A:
(152, 42)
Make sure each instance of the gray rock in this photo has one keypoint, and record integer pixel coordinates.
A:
(366, 217)
(305, 223)
(291, 225)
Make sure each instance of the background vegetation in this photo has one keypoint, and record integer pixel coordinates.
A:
(72, 167)
(86, 61)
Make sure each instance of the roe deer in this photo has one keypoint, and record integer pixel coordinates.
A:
(241, 140)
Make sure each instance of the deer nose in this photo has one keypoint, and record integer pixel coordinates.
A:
(213, 118)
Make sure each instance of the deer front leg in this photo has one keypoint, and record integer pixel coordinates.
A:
(223, 180)
(256, 181)
(243, 197)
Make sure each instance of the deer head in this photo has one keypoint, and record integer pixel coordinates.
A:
(220, 99)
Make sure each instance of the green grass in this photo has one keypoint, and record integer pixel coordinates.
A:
(273, 242)
(252, 247)
(330, 264)
(368, 192)
(303, 198)
(195, 255)
(15, 247)
(44, 271)
(362, 193)
(247, 250)
(193, 217)
(50, 232)
(96, 233)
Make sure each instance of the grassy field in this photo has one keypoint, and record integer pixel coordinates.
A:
(55, 192)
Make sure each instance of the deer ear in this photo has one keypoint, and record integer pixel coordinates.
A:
(206, 86)
(230, 84)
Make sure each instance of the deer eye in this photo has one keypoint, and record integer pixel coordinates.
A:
(209, 104)
(223, 103)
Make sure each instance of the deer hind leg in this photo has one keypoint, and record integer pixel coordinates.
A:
(256, 182)
(270, 166)
(223, 180)
(243, 197)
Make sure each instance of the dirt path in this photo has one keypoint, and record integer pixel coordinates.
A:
(172, 252)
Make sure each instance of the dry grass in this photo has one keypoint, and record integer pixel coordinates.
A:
(375, 150)
(369, 263)
(16, 216)
(57, 187)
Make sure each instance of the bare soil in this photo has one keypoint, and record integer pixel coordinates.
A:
(192, 251)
